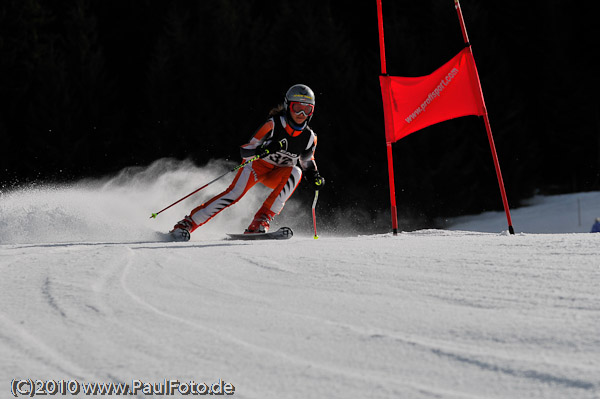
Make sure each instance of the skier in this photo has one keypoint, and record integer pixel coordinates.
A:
(283, 142)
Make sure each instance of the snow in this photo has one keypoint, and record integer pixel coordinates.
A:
(566, 213)
(89, 294)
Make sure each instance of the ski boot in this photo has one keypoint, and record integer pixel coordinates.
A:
(181, 231)
(261, 221)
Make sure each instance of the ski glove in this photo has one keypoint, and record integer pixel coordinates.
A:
(268, 148)
(313, 177)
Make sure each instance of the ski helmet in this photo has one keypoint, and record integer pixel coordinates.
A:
(301, 94)
(298, 93)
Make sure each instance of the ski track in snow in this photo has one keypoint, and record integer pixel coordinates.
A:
(426, 314)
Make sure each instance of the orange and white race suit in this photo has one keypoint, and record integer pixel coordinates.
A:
(278, 171)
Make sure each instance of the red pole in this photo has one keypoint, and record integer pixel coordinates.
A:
(381, 41)
(392, 189)
(486, 119)
(390, 158)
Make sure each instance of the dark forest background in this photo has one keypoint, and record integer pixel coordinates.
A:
(89, 87)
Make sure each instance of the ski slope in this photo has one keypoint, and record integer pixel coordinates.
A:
(89, 295)
(566, 213)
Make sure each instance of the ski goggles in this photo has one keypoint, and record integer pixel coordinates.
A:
(302, 108)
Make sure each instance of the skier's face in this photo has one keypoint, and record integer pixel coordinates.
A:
(299, 118)
(301, 111)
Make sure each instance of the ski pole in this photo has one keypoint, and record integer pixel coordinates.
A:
(314, 205)
(254, 158)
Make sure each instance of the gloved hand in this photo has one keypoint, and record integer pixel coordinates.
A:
(313, 177)
(268, 148)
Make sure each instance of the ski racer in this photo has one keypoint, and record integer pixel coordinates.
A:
(283, 142)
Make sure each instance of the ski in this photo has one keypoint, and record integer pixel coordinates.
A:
(284, 233)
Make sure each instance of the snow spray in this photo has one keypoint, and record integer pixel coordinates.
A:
(115, 209)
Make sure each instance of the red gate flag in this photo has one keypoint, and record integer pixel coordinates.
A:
(411, 104)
